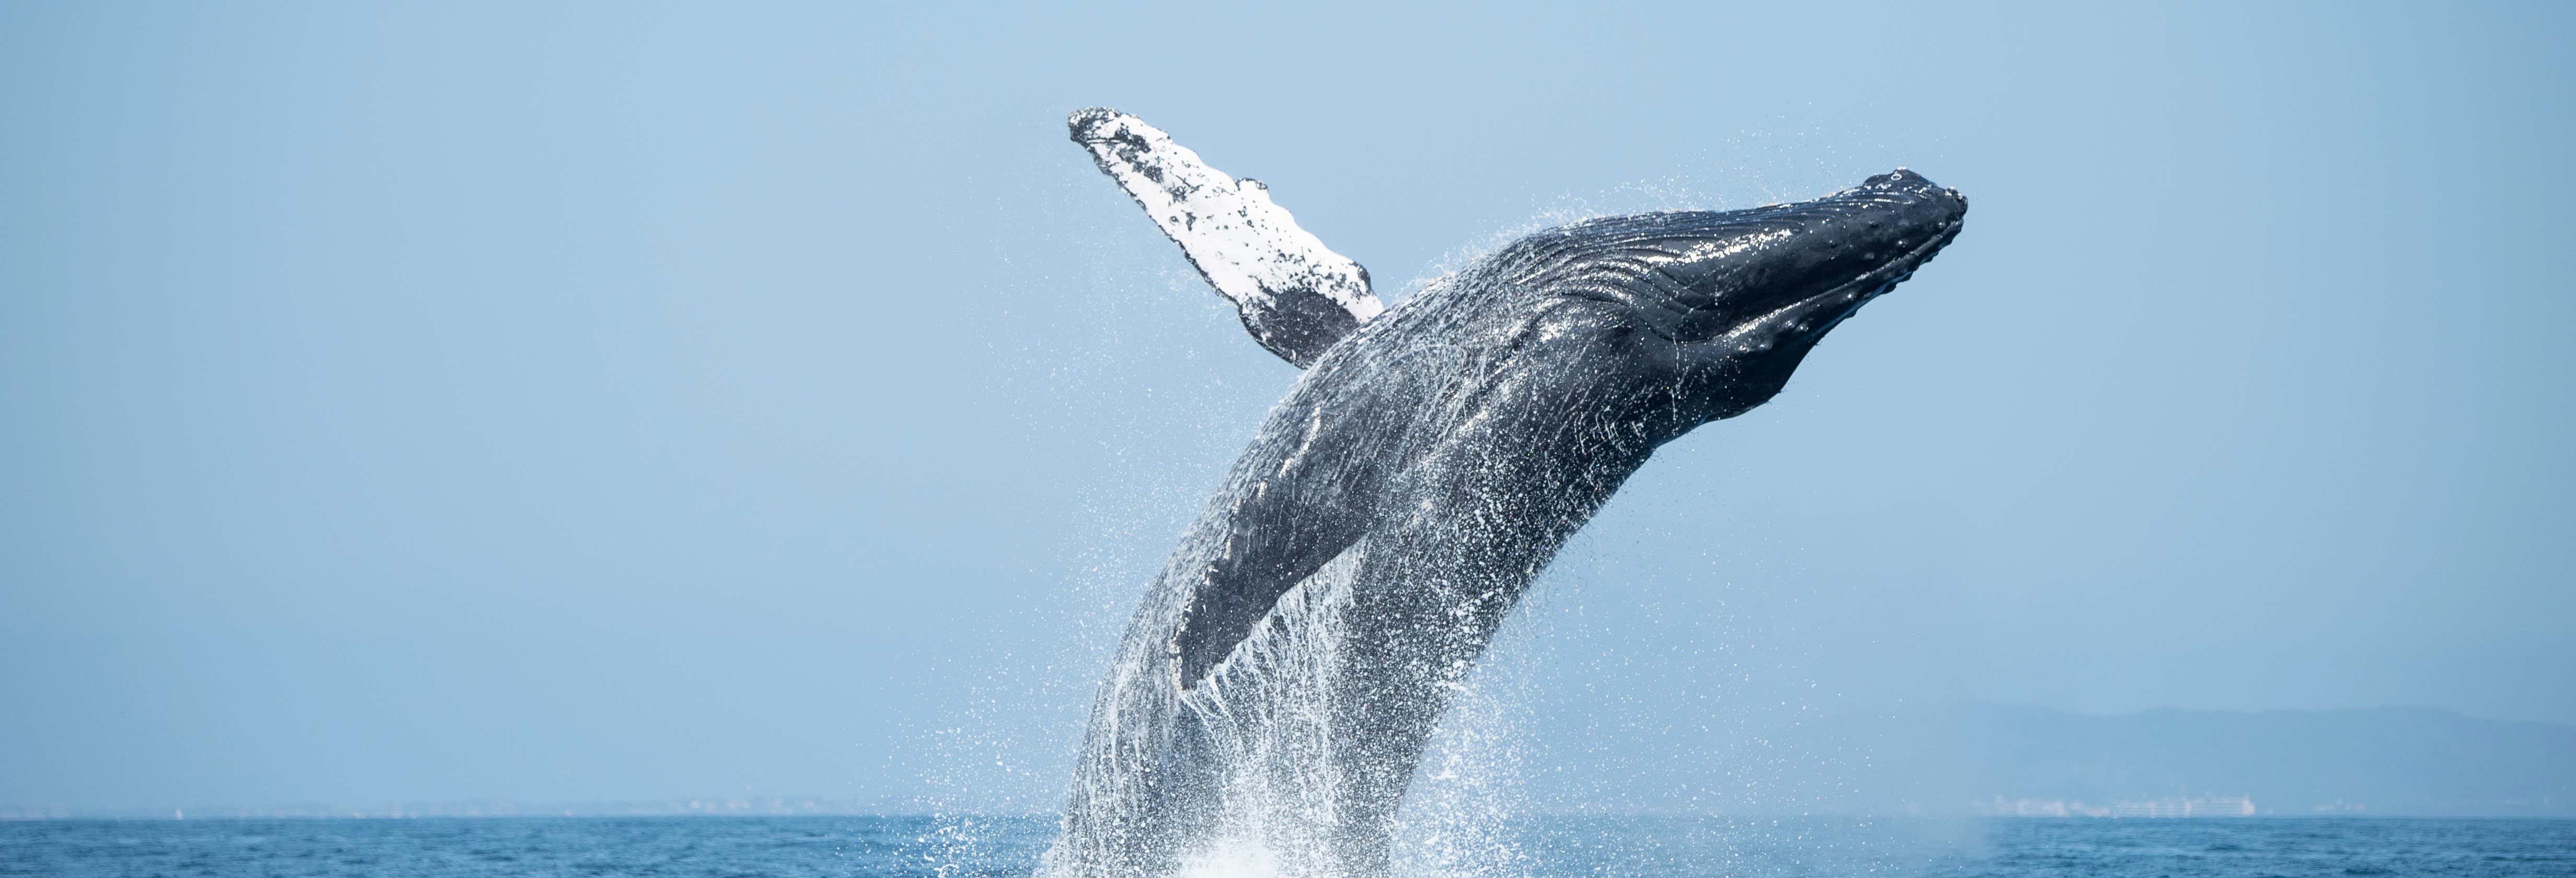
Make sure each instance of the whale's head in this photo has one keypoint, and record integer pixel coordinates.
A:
(1722, 306)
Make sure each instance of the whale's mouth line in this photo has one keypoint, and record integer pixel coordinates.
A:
(1857, 292)
(1882, 279)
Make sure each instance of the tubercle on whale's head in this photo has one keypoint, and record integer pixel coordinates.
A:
(1730, 302)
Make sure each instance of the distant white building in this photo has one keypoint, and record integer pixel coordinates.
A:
(2205, 806)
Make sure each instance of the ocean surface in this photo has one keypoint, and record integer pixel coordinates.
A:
(1593, 846)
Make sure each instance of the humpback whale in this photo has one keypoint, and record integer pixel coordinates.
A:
(1278, 685)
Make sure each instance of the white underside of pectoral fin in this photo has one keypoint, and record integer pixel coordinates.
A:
(1296, 295)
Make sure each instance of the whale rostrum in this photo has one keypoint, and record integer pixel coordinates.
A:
(1277, 686)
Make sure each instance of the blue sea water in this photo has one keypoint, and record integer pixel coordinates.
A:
(1597, 846)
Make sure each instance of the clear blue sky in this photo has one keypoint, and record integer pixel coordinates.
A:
(443, 401)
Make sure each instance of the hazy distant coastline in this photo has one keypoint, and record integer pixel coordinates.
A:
(2391, 761)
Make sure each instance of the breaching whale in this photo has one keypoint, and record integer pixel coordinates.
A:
(1274, 692)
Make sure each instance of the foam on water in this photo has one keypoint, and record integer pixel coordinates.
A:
(1234, 858)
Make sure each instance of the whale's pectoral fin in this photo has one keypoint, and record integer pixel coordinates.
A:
(1289, 526)
(1297, 296)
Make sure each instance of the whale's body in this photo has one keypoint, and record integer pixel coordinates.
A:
(1288, 665)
